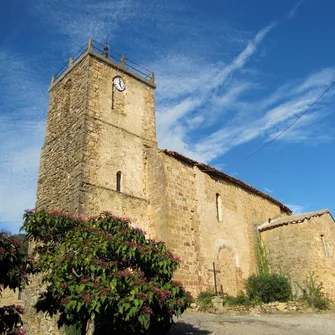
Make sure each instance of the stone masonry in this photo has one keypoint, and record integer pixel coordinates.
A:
(303, 245)
(100, 153)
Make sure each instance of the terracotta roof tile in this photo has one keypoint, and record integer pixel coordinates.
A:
(210, 170)
(291, 219)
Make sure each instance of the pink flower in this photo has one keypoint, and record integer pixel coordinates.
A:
(124, 273)
(15, 241)
(146, 310)
(64, 301)
(19, 309)
(163, 295)
(180, 303)
(19, 330)
(141, 296)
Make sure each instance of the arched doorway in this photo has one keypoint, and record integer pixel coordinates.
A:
(226, 264)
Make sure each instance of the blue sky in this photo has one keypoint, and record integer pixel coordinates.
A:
(230, 76)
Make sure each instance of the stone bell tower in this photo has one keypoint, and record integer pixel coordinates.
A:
(101, 119)
(101, 122)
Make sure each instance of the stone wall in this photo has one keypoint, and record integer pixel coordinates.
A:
(301, 248)
(119, 127)
(10, 297)
(183, 210)
(62, 154)
(61, 169)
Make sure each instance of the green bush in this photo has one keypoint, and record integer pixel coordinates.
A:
(72, 330)
(239, 300)
(313, 293)
(204, 299)
(269, 287)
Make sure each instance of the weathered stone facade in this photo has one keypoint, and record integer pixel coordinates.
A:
(303, 245)
(184, 208)
(100, 153)
(11, 297)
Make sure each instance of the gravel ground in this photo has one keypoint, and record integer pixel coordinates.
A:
(197, 323)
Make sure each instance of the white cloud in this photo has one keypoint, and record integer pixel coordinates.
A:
(322, 78)
(20, 152)
(209, 80)
(78, 20)
(294, 10)
(296, 209)
(23, 109)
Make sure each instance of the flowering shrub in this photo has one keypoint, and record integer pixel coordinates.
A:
(14, 268)
(102, 269)
(10, 320)
(13, 264)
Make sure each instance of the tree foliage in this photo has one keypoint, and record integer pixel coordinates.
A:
(14, 268)
(103, 269)
(10, 320)
(13, 263)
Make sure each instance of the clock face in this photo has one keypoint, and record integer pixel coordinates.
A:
(119, 83)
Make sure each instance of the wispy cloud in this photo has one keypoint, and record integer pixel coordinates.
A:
(76, 21)
(294, 10)
(296, 209)
(195, 94)
(223, 110)
(20, 151)
(23, 110)
(272, 121)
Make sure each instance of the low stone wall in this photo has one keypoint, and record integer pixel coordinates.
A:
(274, 307)
(10, 297)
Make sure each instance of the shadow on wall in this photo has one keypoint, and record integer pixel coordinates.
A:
(180, 328)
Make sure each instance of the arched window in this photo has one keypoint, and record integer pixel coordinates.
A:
(218, 207)
(324, 246)
(118, 181)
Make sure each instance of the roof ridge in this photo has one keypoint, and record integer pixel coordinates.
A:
(210, 169)
(277, 222)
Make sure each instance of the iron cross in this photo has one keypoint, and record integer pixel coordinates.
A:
(215, 272)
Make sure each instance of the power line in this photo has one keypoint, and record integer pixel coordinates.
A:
(285, 129)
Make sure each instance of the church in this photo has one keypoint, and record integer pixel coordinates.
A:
(100, 153)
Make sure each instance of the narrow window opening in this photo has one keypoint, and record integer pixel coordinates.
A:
(218, 207)
(118, 181)
(67, 96)
(324, 246)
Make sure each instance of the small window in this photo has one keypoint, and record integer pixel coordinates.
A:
(324, 246)
(218, 207)
(118, 181)
(67, 96)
